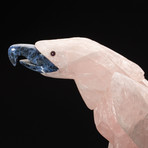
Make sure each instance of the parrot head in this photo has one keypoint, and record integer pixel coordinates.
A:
(52, 58)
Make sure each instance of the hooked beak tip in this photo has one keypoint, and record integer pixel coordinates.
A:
(12, 56)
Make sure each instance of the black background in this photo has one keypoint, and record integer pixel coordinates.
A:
(37, 110)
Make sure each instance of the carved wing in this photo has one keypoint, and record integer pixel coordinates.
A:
(122, 117)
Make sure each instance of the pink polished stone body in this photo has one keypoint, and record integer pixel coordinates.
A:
(110, 85)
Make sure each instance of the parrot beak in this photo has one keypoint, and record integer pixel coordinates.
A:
(34, 59)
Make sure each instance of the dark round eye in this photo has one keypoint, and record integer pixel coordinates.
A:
(52, 53)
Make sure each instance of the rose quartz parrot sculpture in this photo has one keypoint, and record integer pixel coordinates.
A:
(110, 85)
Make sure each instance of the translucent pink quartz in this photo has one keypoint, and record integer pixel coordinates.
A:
(111, 85)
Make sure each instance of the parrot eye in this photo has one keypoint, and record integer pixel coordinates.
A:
(52, 53)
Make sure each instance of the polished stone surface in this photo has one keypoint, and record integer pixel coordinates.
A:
(111, 85)
(34, 59)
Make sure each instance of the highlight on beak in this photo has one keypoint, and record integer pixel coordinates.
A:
(34, 59)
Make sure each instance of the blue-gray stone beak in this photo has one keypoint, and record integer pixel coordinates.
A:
(34, 59)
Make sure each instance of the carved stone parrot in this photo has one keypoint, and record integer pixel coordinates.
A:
(110, 84)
